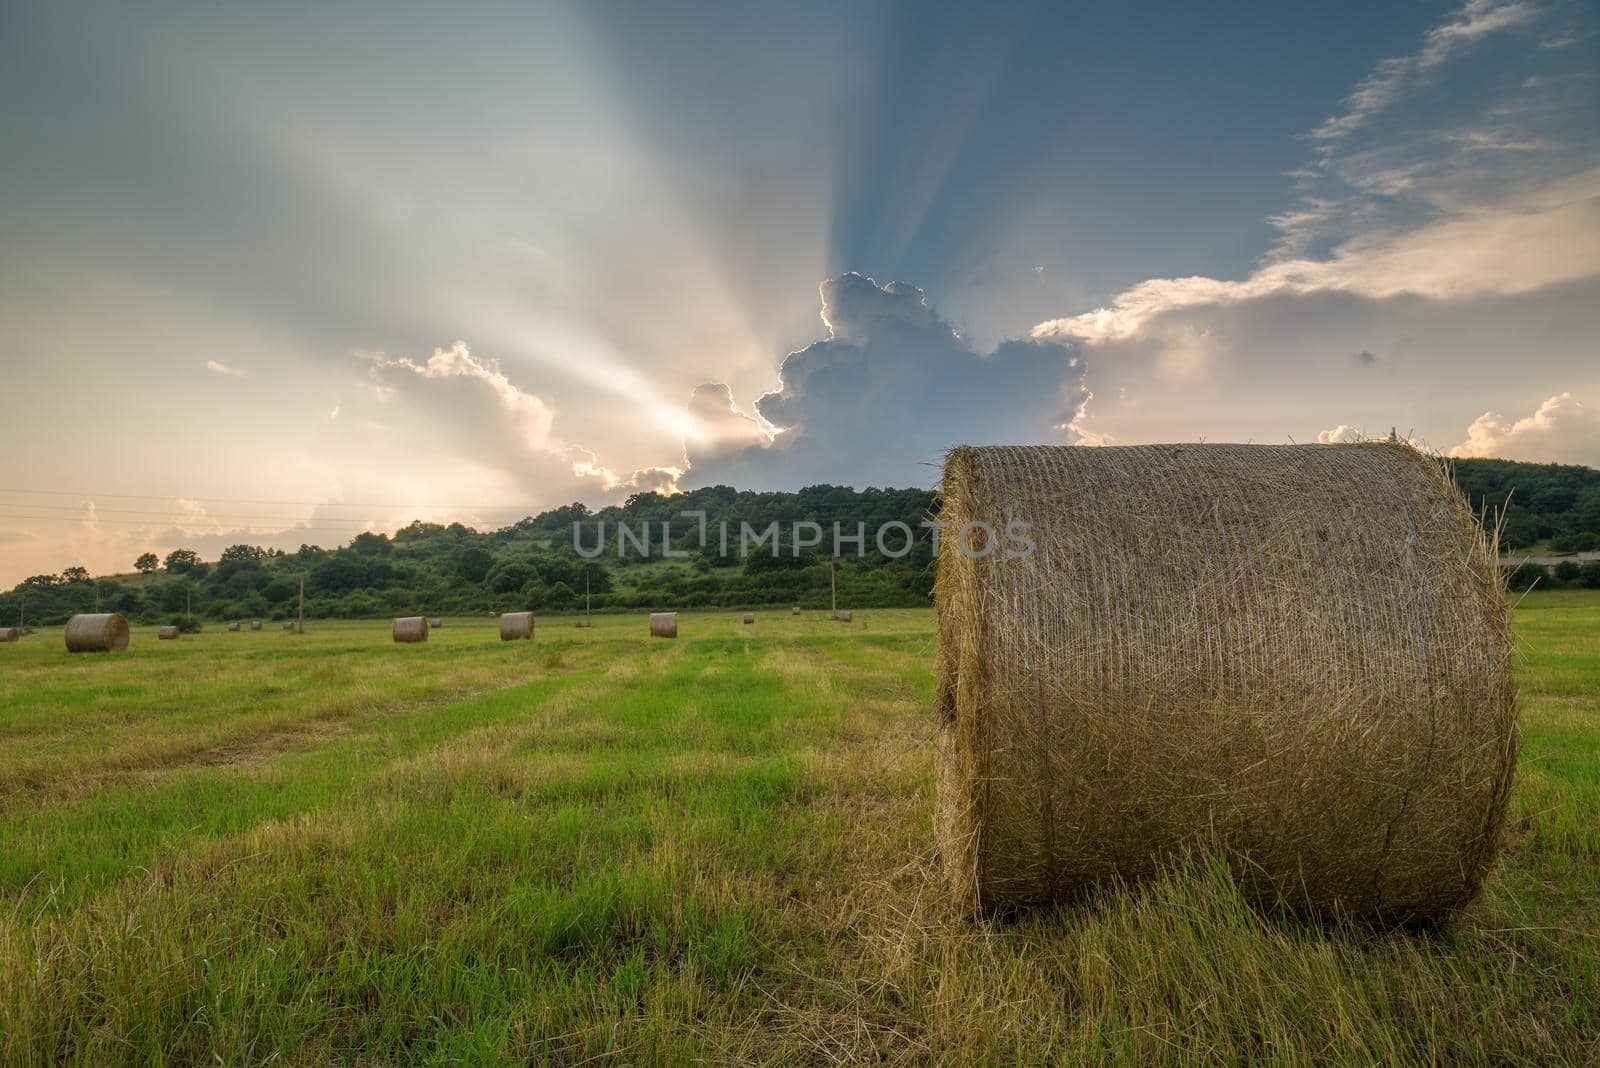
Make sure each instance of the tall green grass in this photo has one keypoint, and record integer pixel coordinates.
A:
(250, 848)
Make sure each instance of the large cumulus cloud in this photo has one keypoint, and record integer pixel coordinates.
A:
(883, 397)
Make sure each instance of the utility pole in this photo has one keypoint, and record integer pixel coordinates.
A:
(300, 616)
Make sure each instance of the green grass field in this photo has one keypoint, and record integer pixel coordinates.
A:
(261, 847)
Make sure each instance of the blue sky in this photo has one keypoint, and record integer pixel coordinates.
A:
(363, 264)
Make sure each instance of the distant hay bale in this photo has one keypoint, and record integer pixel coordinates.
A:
(233, 626)
(435, 623)
(411, 629)
(844, 617)
(516, 626)
(1298, 655)
(749, 617)
(255, 624)
(288, 626)
(10, 634)
(795, 610)
(663, 624)
(98, 632)
(167, 634)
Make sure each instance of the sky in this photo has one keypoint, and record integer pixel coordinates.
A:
(281, 273)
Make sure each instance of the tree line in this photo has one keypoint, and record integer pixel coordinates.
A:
(438, 569)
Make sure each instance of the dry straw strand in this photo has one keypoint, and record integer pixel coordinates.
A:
(1297, 654)
(98, 632)
(408, 629)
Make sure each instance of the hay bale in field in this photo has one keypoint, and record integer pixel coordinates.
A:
(663, 624)
(436, 623)
(233, 626)
(288, 626)
(167, 634)
(795, 610)
(255, 624)
(10, 634)
(411, 629)
(749, 617)
(1296, 654)
(844, 617)
(515, 626)
(98, 632)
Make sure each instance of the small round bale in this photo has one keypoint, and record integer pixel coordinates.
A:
(1297, 656)
(663, 624)
(288, 626)
(795, 610)
(411, 629)
(168, 634)
(515, 626)
(233, 626)
(844, 617)
(436, 623)
(98, 632)
(255, 624)
(10, 634)
(749, 617)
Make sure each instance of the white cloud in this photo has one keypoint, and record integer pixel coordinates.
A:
(223, 369)
(1562, 431)
(471, 407)
(880, 401)
(1339, 435)
(1392, 77)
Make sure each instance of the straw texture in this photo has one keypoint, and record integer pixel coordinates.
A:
(516, 626)
(101, 632)
(1296, 654)
(663, 624)
(411, 629)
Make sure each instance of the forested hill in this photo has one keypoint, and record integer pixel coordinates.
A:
(450, 570)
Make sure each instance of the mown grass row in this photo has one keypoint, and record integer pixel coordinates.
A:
(717, 848)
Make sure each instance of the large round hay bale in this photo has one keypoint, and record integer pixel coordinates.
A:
(167, 634)
(411, 629)
(98, 632)
(233, 626)
(749, 617)
(795, 610)
(10, 634)
(663, 624)
(1297, 655)
(255, 624)
(844, 617)
(515, 626)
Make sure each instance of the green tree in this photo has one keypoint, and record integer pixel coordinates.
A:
(180, 561)
(147, 563)
(75, 574)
